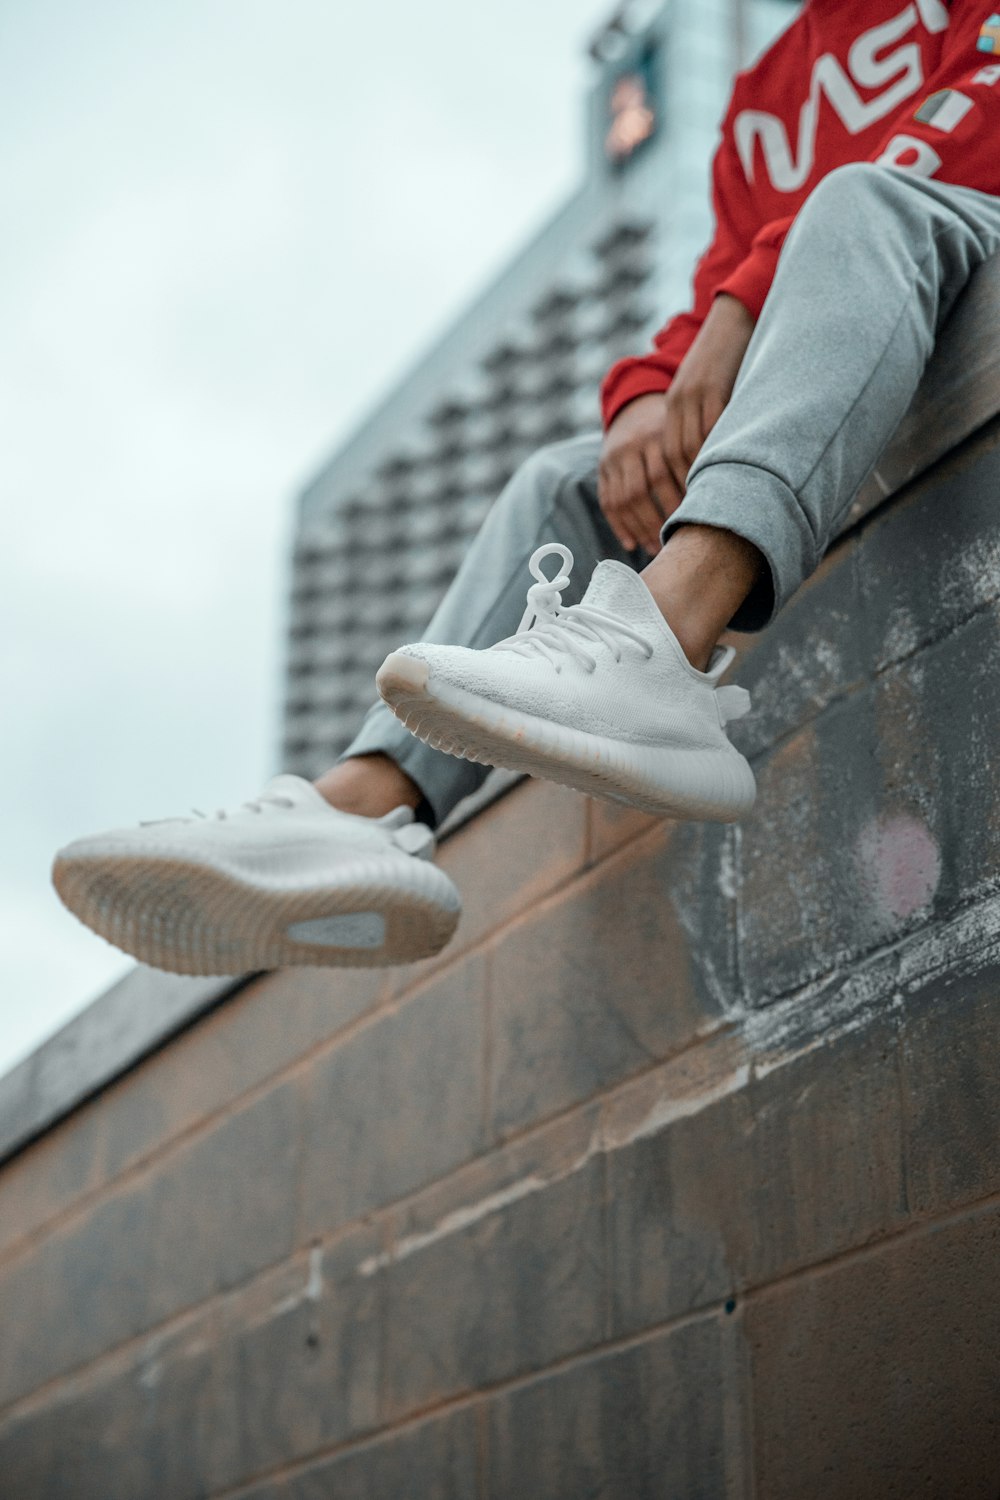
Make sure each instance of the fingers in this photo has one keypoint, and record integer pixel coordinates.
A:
(634, 507)
(635, 485)
(611, 494)
(660, 482)
(691, 415)
(642, 515)
(673, 444)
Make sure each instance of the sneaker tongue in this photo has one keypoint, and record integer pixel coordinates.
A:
(618, 590)
(398, 818)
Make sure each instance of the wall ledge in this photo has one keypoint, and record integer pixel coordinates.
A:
(143, 1012)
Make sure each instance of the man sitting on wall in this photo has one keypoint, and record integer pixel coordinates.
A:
(855, 191)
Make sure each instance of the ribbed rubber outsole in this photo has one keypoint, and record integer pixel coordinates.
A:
(191, 918)
(707, 785)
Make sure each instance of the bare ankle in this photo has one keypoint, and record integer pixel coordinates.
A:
(699, 581)
(369, 785)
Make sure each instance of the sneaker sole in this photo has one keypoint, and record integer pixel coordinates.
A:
(709, 785)
(190, 918)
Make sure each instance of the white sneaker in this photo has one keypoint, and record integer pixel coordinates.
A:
(284, 879)
(597, 695)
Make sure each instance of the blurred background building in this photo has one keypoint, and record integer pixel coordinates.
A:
(383, 526)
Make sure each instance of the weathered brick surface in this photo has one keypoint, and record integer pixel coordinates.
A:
(950, 1050)
(400, 1103)
(435, 1460)
(269, 1025)
(76, 1294)
(878, 1379)
(286, 1370)
(264, 1028)
(931, 560)
(611, 824)
(785, 1171)
(811, 655)
(938, 718)
(884, 811)
(225, 1206)
(217, 1211)
(803, 910)
(59, 1168)
(880, 816)
(701, 877)
(647, 1422)
(307, 1375)
(160, 1428)
(599, 983)
(554, 1151)
(522, 1285)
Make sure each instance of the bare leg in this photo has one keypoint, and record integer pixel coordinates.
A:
(699, 581)
(368, 785)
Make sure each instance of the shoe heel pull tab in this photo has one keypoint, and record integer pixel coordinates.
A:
(722, 659)
(733, 701)
(417, 839)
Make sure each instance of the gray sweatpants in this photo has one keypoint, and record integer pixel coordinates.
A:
(869, 272)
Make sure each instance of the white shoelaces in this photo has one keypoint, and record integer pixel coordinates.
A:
(255, 804)
(557, 630)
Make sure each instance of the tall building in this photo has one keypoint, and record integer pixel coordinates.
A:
(400, 501)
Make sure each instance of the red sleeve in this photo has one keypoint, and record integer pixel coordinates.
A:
(951, 133)
(735, 222)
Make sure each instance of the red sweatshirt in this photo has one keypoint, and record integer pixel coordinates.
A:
(915, 86)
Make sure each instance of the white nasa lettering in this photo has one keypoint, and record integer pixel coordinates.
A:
(900, 73)
(927, 160)
(988, 75)
(934, 14)
(867, 69)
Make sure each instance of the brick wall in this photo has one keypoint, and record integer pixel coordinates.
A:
(677, 1176)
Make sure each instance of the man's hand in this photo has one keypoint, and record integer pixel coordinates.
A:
(634, 483)
(652, 442)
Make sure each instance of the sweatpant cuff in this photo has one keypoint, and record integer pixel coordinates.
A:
(759, 506)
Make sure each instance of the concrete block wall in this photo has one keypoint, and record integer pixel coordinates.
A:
(676, 1176)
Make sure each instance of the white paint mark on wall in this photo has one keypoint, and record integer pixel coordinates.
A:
(666, 1110)
(905, 852)
(902, 636)
(462, 1218)
(311, 1292)
(729, 873)
(663, 1112)
(314, 1285)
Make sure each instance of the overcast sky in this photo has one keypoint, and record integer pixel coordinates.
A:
(228, 227)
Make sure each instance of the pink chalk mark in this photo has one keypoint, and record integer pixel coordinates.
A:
(902, 863)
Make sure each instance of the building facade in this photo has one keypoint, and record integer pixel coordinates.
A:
(520, 368)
